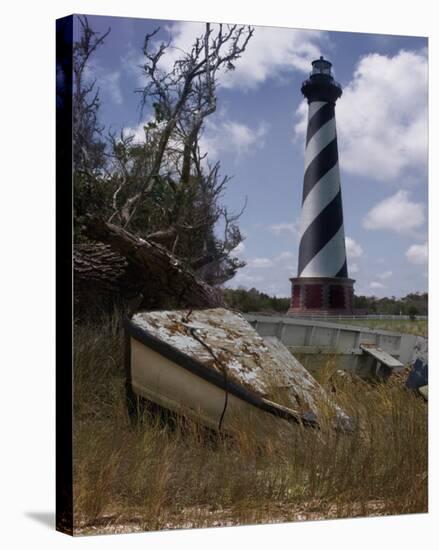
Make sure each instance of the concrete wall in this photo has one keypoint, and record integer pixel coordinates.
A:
(306, 336)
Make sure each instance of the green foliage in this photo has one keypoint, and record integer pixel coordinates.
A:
(92, 195)
(412, 304)
(253, 300)
(412, 312)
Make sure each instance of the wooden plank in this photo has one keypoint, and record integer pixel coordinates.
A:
(381, 356)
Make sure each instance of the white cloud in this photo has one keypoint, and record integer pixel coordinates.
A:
(417, 254)
(284, 256)
(223, 136)
(137, 132)
(132, 63)
(396, 213)
(376, 284)
(231, 136)
(353, 249)
(284, 228)
(353, 268)
(271, 283)
(382, 117)
(300, 126)
(258, 273)
(108, 82)
(385, 275)
(271, 52)
(244, 278)
(260, 262)
(239, 249)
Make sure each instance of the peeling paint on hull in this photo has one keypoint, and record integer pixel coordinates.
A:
(212, 364)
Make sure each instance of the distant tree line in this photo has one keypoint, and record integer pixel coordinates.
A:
(412, 304)
(245, 300)
(253, 300)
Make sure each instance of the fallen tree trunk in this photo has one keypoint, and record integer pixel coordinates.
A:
(157, 270)
(104, 282)
(95, 264)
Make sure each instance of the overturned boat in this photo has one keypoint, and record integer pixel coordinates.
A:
(212, 365)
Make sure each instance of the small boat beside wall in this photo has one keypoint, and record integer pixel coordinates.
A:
(211, 364)
(313, 340)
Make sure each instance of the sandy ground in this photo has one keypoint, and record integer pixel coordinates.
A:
(197, 518)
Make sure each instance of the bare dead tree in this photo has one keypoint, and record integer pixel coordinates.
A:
(182, 98)
(88, 147)
(162, 185)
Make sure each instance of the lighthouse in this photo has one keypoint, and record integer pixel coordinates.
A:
(322, 285)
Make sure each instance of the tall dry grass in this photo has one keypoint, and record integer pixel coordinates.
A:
(417, 326)
(158, 475)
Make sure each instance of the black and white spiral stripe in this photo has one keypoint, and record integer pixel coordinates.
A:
(322, 250)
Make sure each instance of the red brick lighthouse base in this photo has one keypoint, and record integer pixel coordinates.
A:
(321, 296)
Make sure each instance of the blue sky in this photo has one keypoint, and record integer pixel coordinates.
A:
(258, 135)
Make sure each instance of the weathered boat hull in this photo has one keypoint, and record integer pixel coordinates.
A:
(162, 381)
(212, 365)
